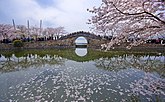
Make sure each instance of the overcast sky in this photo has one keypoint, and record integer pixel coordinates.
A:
(71, 14)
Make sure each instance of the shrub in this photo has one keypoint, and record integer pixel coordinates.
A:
(18, 43)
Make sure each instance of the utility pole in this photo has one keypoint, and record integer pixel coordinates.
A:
(28, 27)
(40, 27)
(13, 24)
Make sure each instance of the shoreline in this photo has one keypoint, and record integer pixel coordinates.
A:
(48, 45)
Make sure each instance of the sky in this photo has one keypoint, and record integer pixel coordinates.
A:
(70, 14)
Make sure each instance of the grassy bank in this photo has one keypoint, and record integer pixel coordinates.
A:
(63, 44)
(70, 53)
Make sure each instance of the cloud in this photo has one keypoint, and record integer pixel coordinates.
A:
(71, 14)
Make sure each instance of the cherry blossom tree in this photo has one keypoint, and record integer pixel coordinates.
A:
(10, 32)
(6, 31)
(21, 31)
(22, 28)
(34, 32)
(134, 20)
(55, 32)
(50, 32)
(60, 31)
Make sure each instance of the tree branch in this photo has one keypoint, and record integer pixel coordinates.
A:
(142, 29)
(144, 12)
(157, 18)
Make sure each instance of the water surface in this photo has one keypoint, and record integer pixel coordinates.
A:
(64, 76)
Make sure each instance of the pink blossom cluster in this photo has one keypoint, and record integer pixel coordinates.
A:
(129, 20)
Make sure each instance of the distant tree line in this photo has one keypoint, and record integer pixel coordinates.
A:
(9, 33)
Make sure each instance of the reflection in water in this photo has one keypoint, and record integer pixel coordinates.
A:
(119, 78)
(14, 63)
(145, 63)
(81, 51)
(151, 83)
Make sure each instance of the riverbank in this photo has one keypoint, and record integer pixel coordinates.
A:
(60, 45)
(36, 45)
(142, 48)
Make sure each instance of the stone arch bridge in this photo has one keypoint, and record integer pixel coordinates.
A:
(92, 39)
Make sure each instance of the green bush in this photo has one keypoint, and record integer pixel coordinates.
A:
(18, 43)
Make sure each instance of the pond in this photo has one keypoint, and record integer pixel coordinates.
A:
(96, 76)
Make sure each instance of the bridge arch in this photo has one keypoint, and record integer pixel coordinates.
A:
(92, 39)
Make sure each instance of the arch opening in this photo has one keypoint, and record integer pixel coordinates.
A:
(81, 42)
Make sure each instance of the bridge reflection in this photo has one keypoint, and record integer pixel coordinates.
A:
(81, 51)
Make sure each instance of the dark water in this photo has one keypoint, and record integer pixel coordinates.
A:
(63, 76)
